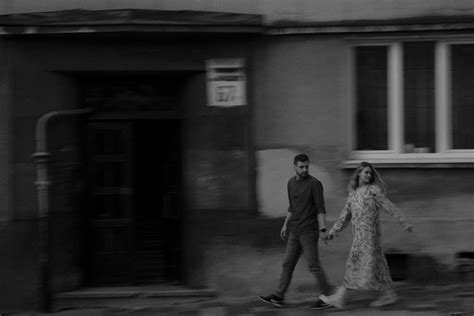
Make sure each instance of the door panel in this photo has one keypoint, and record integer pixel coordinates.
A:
(110, 161)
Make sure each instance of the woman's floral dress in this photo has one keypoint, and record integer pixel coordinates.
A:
(366, 267)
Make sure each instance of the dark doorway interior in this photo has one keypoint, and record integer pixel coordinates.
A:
(135, 201)
(157, 241)
(134, 171)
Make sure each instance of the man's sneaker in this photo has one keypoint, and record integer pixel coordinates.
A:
(272, 299)
(320, 305)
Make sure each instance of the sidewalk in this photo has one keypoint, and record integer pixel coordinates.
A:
(415, 300)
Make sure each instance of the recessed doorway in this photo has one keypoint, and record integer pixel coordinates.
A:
(134, 201)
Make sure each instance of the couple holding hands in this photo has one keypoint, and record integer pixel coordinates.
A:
(366, 266)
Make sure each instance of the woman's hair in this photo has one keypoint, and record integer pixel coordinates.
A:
(376, 178)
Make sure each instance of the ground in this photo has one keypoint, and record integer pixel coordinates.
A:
(453, 300)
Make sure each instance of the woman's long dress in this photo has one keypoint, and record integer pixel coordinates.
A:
(366, 267)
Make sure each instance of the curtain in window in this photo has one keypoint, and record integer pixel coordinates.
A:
(418, 85)
(462, 82)
(371, 97)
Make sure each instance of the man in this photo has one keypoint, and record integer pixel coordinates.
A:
(305, 222)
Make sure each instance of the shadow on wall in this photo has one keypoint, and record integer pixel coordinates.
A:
(425, 269)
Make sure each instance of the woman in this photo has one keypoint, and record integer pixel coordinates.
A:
(366, 267)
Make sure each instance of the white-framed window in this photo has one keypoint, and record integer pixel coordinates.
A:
(413, 100)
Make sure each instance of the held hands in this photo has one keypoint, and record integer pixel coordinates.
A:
(330, 235)
(326, 236)
(323, 236)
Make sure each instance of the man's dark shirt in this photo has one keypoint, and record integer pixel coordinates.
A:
(306, 198)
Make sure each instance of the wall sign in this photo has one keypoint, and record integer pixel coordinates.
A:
(226, 82)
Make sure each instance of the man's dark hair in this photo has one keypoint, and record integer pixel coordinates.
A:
(300, 157)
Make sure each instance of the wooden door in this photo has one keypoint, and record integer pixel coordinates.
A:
(111, 202)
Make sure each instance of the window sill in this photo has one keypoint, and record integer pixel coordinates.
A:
(413, 161)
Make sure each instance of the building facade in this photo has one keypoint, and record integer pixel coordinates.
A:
(147, 169)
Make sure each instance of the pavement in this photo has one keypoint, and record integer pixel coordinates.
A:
(453, 300)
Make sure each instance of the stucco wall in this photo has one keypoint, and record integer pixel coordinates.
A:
(303, 106)
(301, 94)
(215, 150)
(19, 269)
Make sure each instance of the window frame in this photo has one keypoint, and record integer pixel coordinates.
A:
(395, 103)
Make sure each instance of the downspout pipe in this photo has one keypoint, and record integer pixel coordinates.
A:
(42, 157)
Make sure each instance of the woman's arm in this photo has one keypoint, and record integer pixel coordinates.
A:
(381, 201)
(343, 220)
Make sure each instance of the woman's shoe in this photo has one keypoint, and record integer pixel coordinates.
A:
(387, 298)
(337, 299)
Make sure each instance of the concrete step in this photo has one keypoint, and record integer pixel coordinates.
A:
(131, 297)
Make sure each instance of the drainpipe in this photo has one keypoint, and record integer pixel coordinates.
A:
(42, 157)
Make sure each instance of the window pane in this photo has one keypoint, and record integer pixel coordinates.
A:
(109, 206)
(462, 61)
(418, 75)
(109, 174)
(371, 97)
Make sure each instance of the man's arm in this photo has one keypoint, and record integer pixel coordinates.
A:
(288, 216)
(322, 221)
(285, 225)
(290, 206)
(318, 198)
